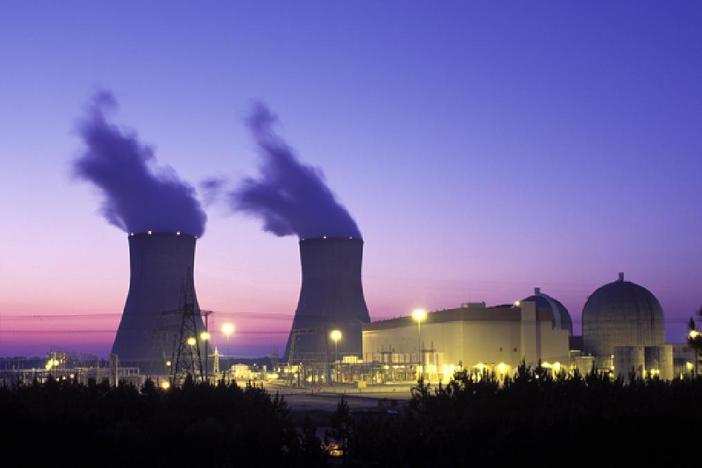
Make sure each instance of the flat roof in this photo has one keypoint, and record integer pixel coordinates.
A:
(471, 312)
(502, 313)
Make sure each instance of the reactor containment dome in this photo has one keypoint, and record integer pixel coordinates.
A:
(621, 313)
(548, 307)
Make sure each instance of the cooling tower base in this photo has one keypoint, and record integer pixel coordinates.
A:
(331, 300)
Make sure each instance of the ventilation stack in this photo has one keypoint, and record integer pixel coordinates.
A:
(160, 285)
(331, 298)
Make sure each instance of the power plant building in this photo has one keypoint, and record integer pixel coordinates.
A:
(471, 336)
(160, 284)
(624, 330)
(331, 298)
(623, 334)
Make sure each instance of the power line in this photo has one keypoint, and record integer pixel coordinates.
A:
(239, 332)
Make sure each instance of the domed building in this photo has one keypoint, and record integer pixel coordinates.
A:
(621, 314)
(548, 308)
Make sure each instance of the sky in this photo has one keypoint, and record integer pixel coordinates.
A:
(483, 148)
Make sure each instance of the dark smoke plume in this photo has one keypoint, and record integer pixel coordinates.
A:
(290, 197)
(211, 189)
(138, 197)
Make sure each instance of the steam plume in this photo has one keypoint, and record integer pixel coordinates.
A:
(138, 197)
(290, 197)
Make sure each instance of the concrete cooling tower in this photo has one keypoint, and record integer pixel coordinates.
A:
(161, 280)
(331, 298)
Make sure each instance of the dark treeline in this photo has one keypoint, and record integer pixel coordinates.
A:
(535, 420)
(69, 424)
(530, 420)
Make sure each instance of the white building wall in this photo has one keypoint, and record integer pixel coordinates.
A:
(470, 342)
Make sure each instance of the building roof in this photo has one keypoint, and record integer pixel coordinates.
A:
(548, 306)
(471, 312)
(621, 313)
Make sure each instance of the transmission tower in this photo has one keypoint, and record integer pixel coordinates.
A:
(186, 358)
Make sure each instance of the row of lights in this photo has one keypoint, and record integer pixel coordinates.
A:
(325, 237)
(151, 232)
(227, 329)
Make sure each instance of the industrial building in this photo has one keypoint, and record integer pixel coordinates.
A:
(623, 334)
(624, 330)
(472, 336)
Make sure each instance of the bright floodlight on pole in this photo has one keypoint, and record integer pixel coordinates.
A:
(419, 315)
(335, 335)
(228, 329)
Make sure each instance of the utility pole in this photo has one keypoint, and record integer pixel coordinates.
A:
(186, 357)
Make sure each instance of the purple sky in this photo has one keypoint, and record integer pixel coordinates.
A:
(483, 148)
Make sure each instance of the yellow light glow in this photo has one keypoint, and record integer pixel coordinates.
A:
(517, 303)
(165, 385)
(419, 315)
(689, 366)
(556, 366)
(693, 335)
(335, 335)
(502, 368)
(191, 341)
(228, 329)
(204, 336)
(168, 364)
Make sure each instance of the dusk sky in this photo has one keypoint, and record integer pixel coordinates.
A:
(482, 151)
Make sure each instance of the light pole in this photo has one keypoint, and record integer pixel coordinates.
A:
(205, 337)
(228, 330)
(335, 336)
(694, 338)
(192, 342)
(419, 315)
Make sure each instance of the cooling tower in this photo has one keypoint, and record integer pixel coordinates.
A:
(161, 281)
(331, 298)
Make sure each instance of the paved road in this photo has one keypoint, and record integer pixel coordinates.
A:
(327, 398)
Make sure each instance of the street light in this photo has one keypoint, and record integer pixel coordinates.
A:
(191, 341)
(335, 336)
(205, 337)
(420, 315)
(228, 329)
(694, 338)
